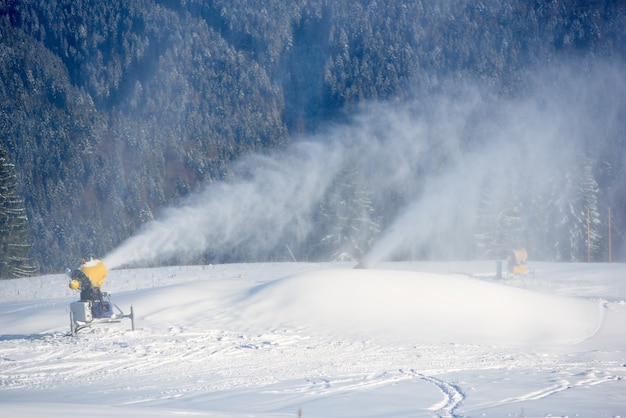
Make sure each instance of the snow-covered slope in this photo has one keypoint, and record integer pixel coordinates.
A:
(266, 340)
(422, 308)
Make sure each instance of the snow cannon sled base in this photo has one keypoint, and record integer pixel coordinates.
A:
(84, 314)
(94, 306)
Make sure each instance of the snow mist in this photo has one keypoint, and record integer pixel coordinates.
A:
(424, 166)
(269, 205)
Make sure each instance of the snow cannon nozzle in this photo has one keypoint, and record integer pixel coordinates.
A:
(92, 270)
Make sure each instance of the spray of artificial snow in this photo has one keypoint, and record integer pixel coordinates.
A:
(422, 164)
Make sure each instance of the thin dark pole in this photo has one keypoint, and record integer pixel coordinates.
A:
(588, 238)
(610, 243)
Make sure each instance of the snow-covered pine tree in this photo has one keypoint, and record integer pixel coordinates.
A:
(542, 220)
(14, 244)
(586, 230)
(500, 224)
(487, 236)
(347, 219)
(577, 207)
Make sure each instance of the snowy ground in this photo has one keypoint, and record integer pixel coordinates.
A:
(323, 340)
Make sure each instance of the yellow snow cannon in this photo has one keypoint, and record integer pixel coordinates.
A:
(517, 261)
(94, 306)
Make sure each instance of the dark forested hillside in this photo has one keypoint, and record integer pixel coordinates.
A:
(112, 110)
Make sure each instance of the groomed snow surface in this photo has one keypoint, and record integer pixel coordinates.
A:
(323, 340)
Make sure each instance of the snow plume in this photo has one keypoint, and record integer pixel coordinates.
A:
(269, 199)
(523, 159)
(271, 203)
(479, 145)
(424, 168)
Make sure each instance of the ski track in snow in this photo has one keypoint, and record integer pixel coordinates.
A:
(587, 379)
(453, 396)
(172, 361)
(164, 367)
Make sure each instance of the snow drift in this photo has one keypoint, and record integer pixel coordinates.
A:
(402, 306)
(422, 308)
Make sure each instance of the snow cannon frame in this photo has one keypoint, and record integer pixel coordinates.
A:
(84, 314)
(94, 306)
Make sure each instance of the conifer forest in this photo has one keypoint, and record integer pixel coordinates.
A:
(113, 111)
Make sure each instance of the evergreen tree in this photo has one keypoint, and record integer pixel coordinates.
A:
(500, 224)
(577, 216)
(585, 228)
(347, 220)
(14, 244)
(543, 219)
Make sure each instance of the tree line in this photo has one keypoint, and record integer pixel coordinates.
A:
(112, 110)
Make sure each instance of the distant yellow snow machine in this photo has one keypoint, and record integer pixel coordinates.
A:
(94, 306)
(517, 261)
